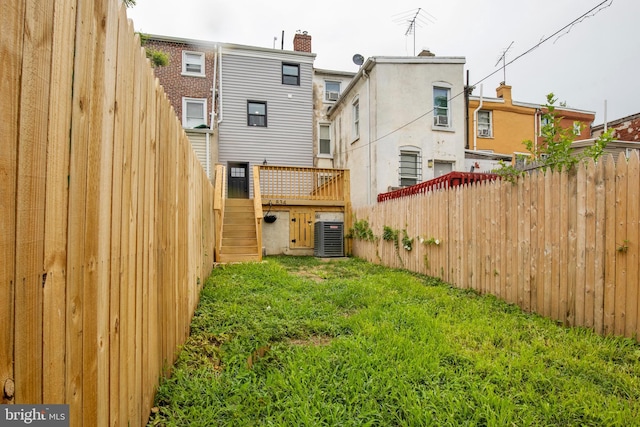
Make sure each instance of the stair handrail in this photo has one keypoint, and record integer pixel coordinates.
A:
(257, 207)
(218, 206)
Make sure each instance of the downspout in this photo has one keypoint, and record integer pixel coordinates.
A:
(475, 122)
(366, 76)
(213, 87)
(220, 103)
(208, 163)
(213, 113)
(535, 129)
(466, 113)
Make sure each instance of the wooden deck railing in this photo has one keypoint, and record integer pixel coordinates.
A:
(218, 205)
(282, 185)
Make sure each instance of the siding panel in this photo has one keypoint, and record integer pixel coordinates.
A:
(288, 137)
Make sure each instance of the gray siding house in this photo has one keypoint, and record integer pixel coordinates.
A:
(265, 111)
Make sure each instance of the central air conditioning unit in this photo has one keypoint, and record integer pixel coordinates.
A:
(441, 120)
(333, 96)
(328, 239)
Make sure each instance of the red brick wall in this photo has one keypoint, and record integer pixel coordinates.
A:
(175, 84)
(629, 130)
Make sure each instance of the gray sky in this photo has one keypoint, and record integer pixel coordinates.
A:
(596, 59)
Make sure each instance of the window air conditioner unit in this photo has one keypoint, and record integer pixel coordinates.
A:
(328, 239)
(441, 121)
(333, 96)
(484, 132)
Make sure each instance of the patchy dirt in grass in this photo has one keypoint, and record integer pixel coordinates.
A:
(313, 341)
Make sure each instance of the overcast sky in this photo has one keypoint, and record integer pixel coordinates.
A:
(595, 60)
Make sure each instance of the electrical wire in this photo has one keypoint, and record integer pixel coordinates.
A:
(565, 30)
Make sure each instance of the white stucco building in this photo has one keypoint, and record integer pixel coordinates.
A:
(399, 122)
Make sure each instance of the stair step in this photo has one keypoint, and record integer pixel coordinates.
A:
(239, 241)
(238, 258)
(249, 250)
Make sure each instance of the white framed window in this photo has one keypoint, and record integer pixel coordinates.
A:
(324, 143)
(194, 112)
(356, 118)
(441, 108)
(485, 129)
(545, 121)
(193, 63)
(520, 160)
(331, 91)
(577, 128)
(410, 166)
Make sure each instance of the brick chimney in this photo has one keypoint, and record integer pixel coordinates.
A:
(504, 91)
(302, 42)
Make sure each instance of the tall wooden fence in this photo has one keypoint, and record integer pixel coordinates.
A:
(562, 244)
(106, 217)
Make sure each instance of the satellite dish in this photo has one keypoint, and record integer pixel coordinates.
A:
(358, 59)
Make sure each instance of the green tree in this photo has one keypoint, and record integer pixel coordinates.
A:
(555, 151)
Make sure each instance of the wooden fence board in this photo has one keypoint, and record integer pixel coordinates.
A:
(610, 245)
(565, 310)
(542, 234)
(533, 251)
(56, 214)
(598, 284)
(30, 200)
(633, 217)
(11, 39)
(581, 199)
(119, 148)
(621, 243)
(590, 245)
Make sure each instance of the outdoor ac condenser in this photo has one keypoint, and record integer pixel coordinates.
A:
(328, 239)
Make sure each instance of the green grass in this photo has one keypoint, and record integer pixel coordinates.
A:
(299, 342)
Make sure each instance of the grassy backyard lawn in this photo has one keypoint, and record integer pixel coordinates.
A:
(300, 342)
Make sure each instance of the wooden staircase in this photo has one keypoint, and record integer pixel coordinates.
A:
(239, 235)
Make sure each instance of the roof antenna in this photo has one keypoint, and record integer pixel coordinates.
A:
(504, 66)
(414, 19)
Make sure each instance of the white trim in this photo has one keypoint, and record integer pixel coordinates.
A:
(185, 72)
(201, 101)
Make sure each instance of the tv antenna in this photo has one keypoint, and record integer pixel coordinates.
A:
(503, 58)
(414, 18)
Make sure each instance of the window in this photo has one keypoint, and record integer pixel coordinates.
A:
(484, 124)
(257, 113)
(410, 167)
(577, 128)
(520, 160)
(194, 112)
(441, 116)
(291, 74)
(331, 91)
(545, 121)
(325, 140)
(192, 63)
(356, 118)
